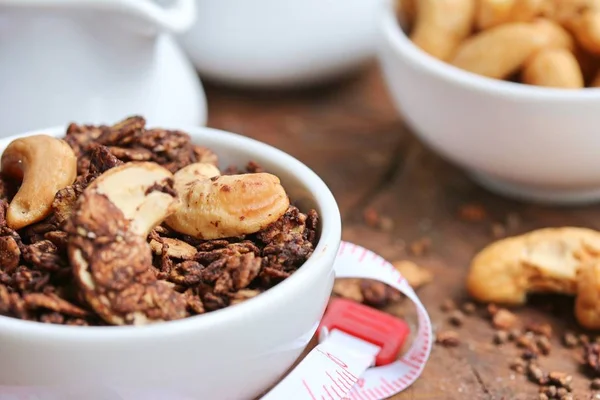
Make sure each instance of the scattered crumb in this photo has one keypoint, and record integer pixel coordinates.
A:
(447, 339)
(498, 231)
(500, 337)
(518, 365)
(448, 305)
(595, 384)
(420, 247)
(456, 318)
(472, 213)
(504, 319)
(416, 275)
(469, 308)
(544, 329)
(371, 217)
(386, 224)
(492, 309)
(570, 340)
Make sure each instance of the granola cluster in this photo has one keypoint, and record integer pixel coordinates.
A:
(81, 265)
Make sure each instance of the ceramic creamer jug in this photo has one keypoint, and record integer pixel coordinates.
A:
(95, 61)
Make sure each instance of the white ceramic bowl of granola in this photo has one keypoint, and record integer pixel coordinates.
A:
(533, 143)
(233, 353)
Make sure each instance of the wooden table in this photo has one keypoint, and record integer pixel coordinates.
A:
(351, 135)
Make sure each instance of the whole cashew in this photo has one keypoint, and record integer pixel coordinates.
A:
(194, 172)
(553, 68)
(229, 205)
(501, 51)
(441, 25)
(45, 165)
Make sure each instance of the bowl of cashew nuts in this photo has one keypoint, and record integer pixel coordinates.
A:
(506, 90)
(143, 263)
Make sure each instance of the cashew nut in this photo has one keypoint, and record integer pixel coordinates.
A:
(192, 173)
(501, 51)
(596, 81)
(441, 25)
(553, 68)
(493, 12)
(545, 260)
(586, 29)
(107, 245)
(126, 187)
(45, 165)
(229, 205)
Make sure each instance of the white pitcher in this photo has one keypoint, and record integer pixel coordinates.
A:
(95, 61)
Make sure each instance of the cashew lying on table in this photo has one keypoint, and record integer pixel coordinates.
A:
(229, 205)
(501, 51)
(441, 25)
(45, 165)
(556, 68)
(107, 247)
(545, 260)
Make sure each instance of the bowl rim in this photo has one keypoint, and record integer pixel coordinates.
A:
(394, 35)
(326, 249)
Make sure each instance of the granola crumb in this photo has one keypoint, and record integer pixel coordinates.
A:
(595, 384)
(492, 309)
(570, 340)
(535, 374)
(514, 333)
(456, 318)
(544, 345)
(371, 217)
(504, 319)
(544, 329)
(498, 231)
(448, 305)
(386, 224)
(500, 337)
(447, 338)
(542, 396)
(472, 212)
(420, 247)
(518, 365)
(469, 308)
(583, 339)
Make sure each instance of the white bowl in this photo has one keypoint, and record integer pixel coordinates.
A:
(230, 354)
(526, 142)
(281, 43)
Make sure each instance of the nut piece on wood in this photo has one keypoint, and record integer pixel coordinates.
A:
(229, 205)
(587, 304)
(107, 246)
(45, 165)
(128, 187)
(545, 260)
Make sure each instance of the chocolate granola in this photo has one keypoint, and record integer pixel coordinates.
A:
(178, 276)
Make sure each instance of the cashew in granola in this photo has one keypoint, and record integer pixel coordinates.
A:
(194, 172)
(45, 165)
(545, 260)
(441, 25)
(229, 205)
(107, 247)
(126, 187)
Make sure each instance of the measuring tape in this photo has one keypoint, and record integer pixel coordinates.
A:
(354, 338)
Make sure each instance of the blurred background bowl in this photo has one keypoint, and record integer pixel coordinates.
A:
(527, 142)
(281, 43)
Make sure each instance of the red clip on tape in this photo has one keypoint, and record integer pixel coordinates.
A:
(368, 324)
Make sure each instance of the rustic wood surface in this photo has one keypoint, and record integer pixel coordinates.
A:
(351, 135)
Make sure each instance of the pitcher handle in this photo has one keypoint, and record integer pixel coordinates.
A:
(176, 18)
